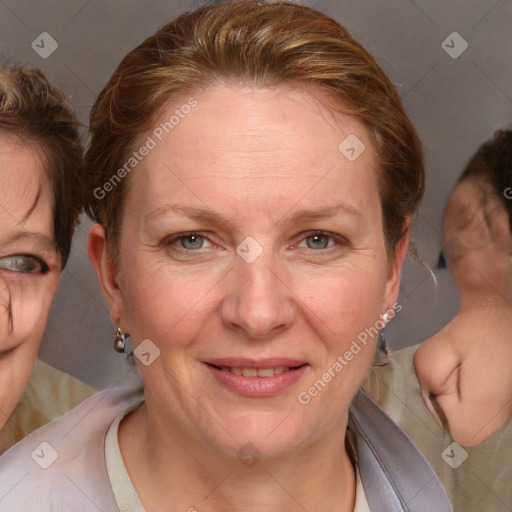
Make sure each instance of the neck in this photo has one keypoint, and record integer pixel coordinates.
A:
(484, 300)
(194, 476)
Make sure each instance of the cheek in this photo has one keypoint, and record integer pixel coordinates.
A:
(343, 312)
(24, 309)
(161, 302)
(346, 302)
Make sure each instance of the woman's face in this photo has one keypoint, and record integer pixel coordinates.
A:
(29, 266)
(250, 243)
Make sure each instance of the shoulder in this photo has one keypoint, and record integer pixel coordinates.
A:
(389, 385)
(52, 378)
(396, 389)
(63, 463)
(473, 477)
(49, 394)
(395, 474)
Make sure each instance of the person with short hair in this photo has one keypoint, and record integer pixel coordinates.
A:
(252, 172)
(40, 175)
(461, 377)
(468, 389)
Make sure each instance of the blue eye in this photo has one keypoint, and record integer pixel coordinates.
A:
(23, 264)
(318, 241)
(188, 245)
(192, 241)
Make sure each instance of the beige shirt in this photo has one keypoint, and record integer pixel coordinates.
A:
(124, 492)
(475, 478)
(49, 394)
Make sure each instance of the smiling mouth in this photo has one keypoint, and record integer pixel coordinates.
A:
(256, 372)
(253, 378)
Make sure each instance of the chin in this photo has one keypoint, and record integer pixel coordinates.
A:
(260, 434)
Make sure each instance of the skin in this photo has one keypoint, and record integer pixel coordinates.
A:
(256, 157)
(465, 370)
(29, 266)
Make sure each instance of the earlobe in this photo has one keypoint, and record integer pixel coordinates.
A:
(107, 271)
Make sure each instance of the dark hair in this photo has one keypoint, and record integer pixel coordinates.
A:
(265, 44)
(37, 112)
(493, 163)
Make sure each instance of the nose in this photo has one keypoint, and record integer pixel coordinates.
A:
(259, 301)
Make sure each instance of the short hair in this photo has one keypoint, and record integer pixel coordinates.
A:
(493, 163)
(37, 112)
(265, 44)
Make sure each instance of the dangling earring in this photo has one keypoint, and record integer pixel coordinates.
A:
(382, 352)
(119, 342)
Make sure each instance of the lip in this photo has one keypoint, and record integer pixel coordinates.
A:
(257, 386)
(245, 362)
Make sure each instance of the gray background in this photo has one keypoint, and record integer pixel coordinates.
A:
(455, 103)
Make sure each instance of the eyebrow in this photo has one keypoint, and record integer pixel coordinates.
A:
(324, 213)
(40, 237)
(304, 215)
(191, 212)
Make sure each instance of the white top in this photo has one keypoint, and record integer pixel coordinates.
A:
(122, 487)
(62, 466)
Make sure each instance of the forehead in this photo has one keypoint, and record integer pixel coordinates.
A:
(23, 187)
(267, 139)
(19, 160)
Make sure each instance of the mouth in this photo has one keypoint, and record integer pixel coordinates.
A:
(256, 372)
(257, 378)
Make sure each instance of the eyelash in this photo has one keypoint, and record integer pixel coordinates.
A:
(336, 238)
(34, 260)
(308, 234)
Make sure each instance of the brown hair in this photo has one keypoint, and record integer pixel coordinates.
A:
(264, 44)
(37, 112)
(493, 163)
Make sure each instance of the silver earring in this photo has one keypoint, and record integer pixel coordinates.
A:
(385, 318)
(119, 342)
(382, 352)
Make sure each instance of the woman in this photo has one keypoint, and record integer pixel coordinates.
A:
(463, 372)
(40, 162)
(478, 249)
(253, 174)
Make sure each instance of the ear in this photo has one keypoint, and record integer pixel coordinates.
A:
(107, 272)
(395, 266)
